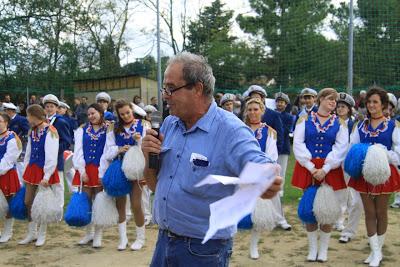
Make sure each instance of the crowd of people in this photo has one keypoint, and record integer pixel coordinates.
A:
(204, 134)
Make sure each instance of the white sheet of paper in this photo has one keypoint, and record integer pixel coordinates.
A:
(251, 173)
(254, 180)
(216, 179)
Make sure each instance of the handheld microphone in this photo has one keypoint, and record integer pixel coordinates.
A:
(156, 120)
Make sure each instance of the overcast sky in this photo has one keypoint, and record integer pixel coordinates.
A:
(143, 22)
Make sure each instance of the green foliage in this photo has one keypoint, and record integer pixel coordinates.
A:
(299, 51)
(230, 58)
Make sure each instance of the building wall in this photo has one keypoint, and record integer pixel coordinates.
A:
(148, 89)
(120, 87)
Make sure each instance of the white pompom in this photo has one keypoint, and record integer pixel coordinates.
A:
(376, 169)
(263, 216)
(3, 205)
(133, 163)
(46, 207)
(326, 207)
(104, 212)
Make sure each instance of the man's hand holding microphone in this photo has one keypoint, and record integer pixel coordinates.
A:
(151, 147)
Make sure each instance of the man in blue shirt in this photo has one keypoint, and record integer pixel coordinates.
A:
(197, 140)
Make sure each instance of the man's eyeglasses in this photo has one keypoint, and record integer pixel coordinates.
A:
(169, 90)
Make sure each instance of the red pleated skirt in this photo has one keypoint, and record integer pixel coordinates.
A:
(34, 174)
(302, 178)
(391, 185)
(92, 172)
(9, 183)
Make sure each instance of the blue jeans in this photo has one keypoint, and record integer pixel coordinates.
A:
(175, 251)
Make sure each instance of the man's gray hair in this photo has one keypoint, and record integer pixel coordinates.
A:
(196, 69)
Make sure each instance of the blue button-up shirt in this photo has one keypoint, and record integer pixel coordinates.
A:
(224, 145)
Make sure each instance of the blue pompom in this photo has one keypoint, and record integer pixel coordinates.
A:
(305, 209)
(245, 223)
(79, 210)
(115, 182)
(353, 164)
(17, 205)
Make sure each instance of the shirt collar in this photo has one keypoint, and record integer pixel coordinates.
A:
(308, 110)
(204, 123)
(15, 115)
(52, 116)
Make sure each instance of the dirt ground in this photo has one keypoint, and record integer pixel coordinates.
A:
(278, 248)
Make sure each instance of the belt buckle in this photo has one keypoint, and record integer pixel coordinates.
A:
(169, 234)
(172, 235)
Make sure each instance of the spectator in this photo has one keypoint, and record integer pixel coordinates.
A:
(137, 100)
(104, 100)
(153, 101)
(22, 109)
(227, 102)
(7, 98)
(390, 111)
(81, 108)
(18, 124)
(33, 100)
(361, 102)
(218, 97)
(64, 111)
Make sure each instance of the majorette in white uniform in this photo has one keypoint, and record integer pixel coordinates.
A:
(113, 143)
(266, 137)
(10, 149)
(349, 198)
(387, 133)
(40, 163)
(318, 146)
(89, 147)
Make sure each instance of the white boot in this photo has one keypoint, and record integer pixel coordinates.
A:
(89, 235)
(381, 240)
(41, 239)
(323, 246)
(255, 236)
(98, 234)
(376, 248)
(140, 237)
(32, 234)
(312, 245)
(123, 239)
(8, 230)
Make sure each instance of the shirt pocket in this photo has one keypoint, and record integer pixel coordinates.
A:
(214, 191)
(195, 175)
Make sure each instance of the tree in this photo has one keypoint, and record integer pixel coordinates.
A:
(378, 43)
(210, 36)
(106, 22)
(167, 15)
(291, 31)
